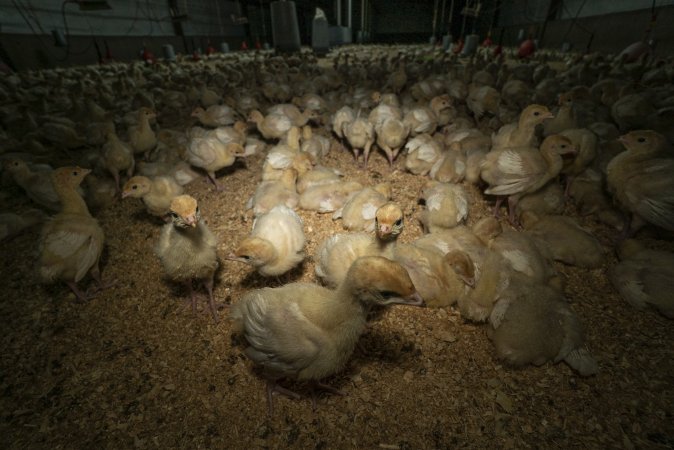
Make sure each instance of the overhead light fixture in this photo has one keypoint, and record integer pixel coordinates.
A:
(93, 5)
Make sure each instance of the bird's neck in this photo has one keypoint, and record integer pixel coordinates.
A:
(71, 201)
(554, 163)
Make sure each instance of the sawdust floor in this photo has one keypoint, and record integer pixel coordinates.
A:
(135, 368)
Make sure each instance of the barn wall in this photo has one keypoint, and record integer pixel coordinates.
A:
(611, 25)
(28, 42)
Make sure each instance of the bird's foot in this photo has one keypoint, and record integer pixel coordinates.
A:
(274, 387)
(100, 286)
(81, 297)
(316, 385)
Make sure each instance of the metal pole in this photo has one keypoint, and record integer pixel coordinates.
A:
(339, 13)
(435, 15)
(362, 15)
(442, 14)
(349, 9)
(451, 16)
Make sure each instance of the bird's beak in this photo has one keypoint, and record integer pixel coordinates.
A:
(470, 281)
(191, 221)
(413, 299)
(548, 116)
(125, 194)
(384, 230)
(623, 139)
(86, 171)
(233, 257)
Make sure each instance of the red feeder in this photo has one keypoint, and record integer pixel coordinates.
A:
(148, 56)
(527, 48)
(487, 42)
(244, 45)
(210, 50)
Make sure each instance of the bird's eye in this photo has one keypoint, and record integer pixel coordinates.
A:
(399, 222)
(388, 294)
(641, 139)
(75, 173)
(536, 113)
(134, 187)
(563, 145)
(16, 164)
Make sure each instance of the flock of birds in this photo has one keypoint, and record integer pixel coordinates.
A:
(536, 134)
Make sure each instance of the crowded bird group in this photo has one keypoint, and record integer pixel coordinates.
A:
(559, 132)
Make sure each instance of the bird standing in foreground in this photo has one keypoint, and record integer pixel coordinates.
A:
(515, 172)
(308, 332)
(186, 249)
(72, 241)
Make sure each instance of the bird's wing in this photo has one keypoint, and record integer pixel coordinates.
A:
(66, 242)
(281, 337)
(427, 153)
(201, 152)
(651, 193)
(516, 175)
(280, 159)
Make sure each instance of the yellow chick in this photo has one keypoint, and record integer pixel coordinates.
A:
(335, 254)
(391, 137)
(211, 155)
(72, 241)
(534, 324)
(271, 193)
(12, 224)
(36, 184)
(308, 332)
(440, 280)
(645, 277)
(315, 145)
(117, 156)
(187, 249)
(565, 239)
(272, 126)
(215, 115)
(360, 135)
(446, 206)
(641, 180)
(328, 197)
(359, 211)
(276, 243)
(522, 133)
(515, 172)
(157, 193)
(141, 135)
(422, 153)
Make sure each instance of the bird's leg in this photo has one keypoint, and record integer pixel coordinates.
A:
(100, 284)
(512, 215)
(192, 295)
(366, 153)
(567, 188)
(208, 284)
(81, 296)
(211, 176)
(273, 386)
(315, 385)
(115, 175)
(356, 153)
(497, 206)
